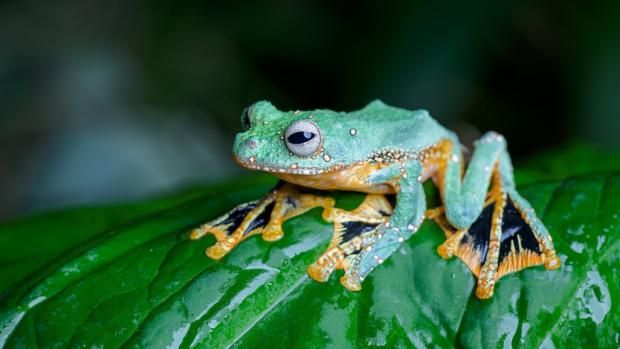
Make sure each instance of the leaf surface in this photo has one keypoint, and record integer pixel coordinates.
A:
(143, 284)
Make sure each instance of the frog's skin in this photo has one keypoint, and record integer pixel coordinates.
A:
(384, 150)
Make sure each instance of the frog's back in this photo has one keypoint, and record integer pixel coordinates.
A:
(380, 126)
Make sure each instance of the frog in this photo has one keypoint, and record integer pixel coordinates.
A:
(388, 153)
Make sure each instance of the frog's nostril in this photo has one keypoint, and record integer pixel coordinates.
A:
(251, 143)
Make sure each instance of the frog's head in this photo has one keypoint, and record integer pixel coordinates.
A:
(298, 142)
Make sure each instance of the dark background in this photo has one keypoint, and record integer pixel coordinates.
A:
(104, 101)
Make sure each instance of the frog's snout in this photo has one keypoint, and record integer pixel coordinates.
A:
(247, 143)
(245, 148)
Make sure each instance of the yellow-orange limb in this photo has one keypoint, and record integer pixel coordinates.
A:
(486, 263)
(438, 214)
(353, 231)
(488, 272)
(263, 217)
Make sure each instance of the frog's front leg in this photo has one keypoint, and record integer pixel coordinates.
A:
(497, 231)
(264, 217)
(353, 231)
(377, 242)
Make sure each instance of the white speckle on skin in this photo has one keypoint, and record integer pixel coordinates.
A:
(252, 159)
(353, 132)
(401, 239)
(326, 157)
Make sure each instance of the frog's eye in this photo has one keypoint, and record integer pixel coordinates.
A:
(303, 137)
(245, 119)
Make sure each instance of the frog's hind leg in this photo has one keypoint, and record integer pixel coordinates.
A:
(502, 240)
(505, 237)
(264, 217)
(354, 231)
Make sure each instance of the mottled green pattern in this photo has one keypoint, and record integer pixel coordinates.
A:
(144, 284)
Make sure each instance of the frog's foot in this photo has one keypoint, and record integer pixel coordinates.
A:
(263, 217)
(505, 238)
(354, 231)
(438, 214)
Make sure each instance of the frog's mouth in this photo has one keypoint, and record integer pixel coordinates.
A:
(293, 169)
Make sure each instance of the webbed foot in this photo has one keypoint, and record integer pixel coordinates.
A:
(505, 238)
(354, 231)
(264, 217)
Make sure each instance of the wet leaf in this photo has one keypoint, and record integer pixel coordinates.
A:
(142, 283)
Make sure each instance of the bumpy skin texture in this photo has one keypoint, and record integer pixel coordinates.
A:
(348, 138)
(385, 150)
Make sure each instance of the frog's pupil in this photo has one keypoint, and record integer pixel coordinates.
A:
(300, 137)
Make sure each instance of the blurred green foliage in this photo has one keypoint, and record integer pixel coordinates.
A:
(158, 86)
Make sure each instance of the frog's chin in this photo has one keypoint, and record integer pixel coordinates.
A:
(292, 169)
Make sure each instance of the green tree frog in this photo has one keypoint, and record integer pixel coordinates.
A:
(383, 150)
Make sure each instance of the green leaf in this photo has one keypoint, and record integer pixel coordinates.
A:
(142, 283)
(60, 231)
(570, 159)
